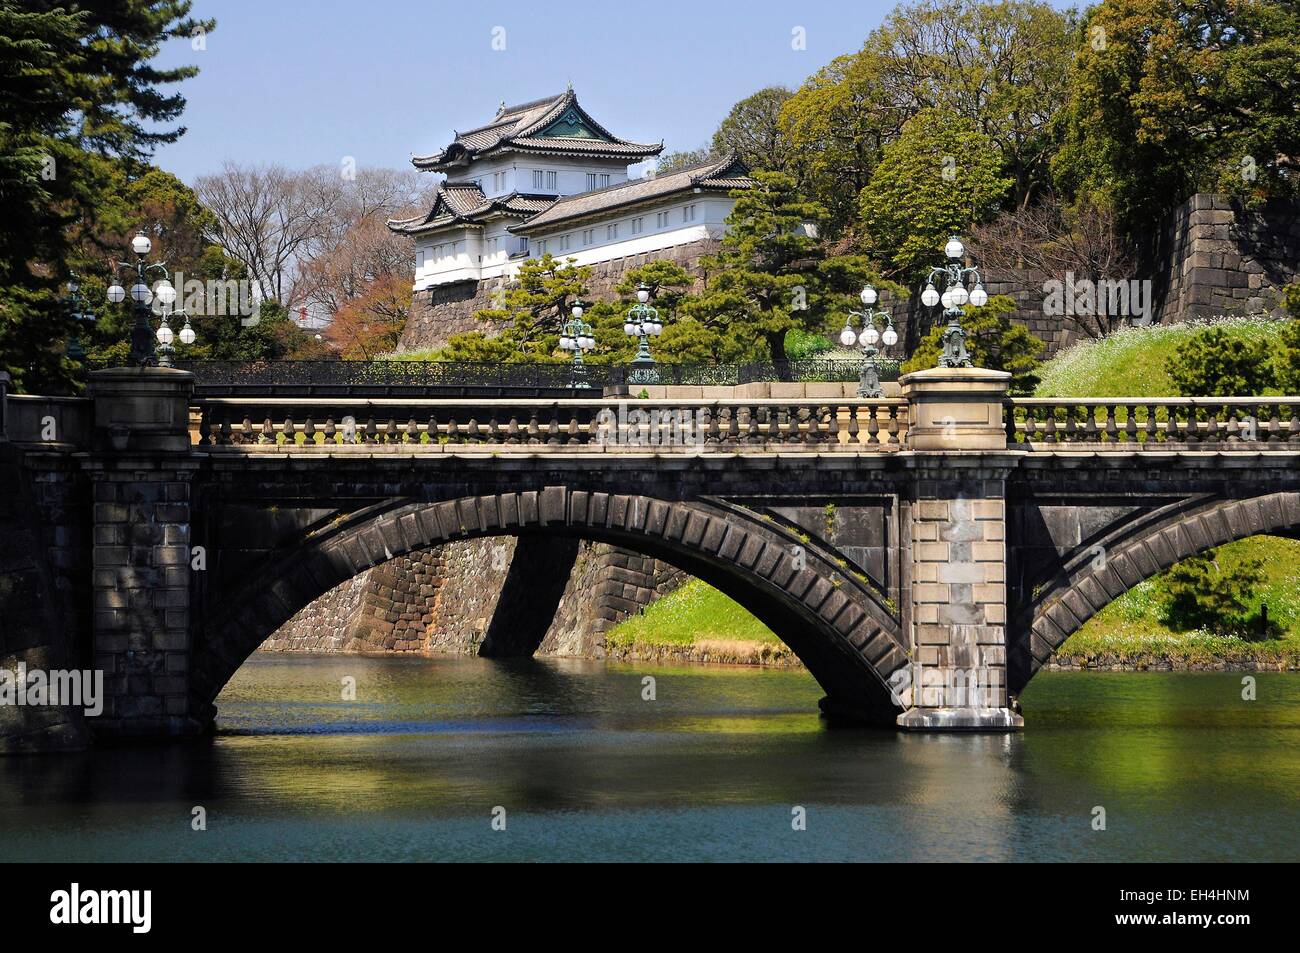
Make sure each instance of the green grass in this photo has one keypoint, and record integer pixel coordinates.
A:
(1132, 362)
(694, 612)
(1131, 627)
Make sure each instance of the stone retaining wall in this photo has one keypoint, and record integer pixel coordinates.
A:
(444, 601)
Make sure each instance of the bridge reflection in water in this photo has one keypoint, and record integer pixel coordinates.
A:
(710, 771)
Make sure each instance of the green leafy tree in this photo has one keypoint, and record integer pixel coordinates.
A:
(757, 286)
(1213, 363)
(937, 178)
(1170, 97)
(1288, 360)
(753, 130)
(79, 97)
(1000, 65)
(531, 311)
(1201, 592)
(993, 341)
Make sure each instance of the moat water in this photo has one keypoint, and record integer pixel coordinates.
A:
(716, 767)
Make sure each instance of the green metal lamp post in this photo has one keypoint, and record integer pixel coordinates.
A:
(143, 352)
(869, 375)
(643, 322)
(576, 336)
(954, 297)
(79, 310)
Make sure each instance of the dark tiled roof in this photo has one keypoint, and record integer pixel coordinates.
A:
(717, 175)
(516, 127)
(464, 202)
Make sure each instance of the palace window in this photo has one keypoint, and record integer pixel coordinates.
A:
(564, 242)
(661, 220)
(419, 258)
(588, 236)
(688, 213)
(638, 226)
(597, 180)
(611, 232)
(543, 180)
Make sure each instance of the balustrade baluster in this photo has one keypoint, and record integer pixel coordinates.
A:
(553, 428)
(330, 431)
(1112, 429)
(1130, 424)
(1029, 428)
(512, 430)
(534, 430)
(1051, 432)
(733, 426)
(372, 431)
(309, 432)
(205, 427)
(753, 435)
(1153, 427)
(873, 426)
(1090, 434)
(893, 425)
(268, 432)
(854, 429)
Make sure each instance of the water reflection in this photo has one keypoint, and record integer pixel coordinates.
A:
(708, 770)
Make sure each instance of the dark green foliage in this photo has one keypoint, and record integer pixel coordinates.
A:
(1215, 364)
(1200, 592)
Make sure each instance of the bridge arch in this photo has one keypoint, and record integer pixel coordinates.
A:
(842, 629)
(1132, 554)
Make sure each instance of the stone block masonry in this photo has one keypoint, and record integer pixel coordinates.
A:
(446, 600)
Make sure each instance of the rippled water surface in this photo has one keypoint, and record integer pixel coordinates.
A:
(712, 769)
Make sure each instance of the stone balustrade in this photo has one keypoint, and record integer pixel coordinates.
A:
(595, 425)
(1167, 423)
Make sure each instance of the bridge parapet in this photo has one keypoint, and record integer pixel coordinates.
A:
(736, 425)
(1165, 423)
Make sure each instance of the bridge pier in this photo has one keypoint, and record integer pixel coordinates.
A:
(956, 606)
(141, 471)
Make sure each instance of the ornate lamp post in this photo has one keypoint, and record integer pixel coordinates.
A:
(643, 322)
(869, 376)
(166, 335)
(79, 310)
(954, 297)
(143, 353)
(576, 336)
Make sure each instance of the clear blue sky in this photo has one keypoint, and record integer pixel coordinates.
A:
(303, 82)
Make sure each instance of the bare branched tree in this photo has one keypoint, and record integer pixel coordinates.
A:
(288, 228)
(1049, 241)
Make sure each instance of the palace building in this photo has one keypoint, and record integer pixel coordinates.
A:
(544, 176)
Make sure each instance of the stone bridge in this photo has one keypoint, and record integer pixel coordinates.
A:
(924, 554)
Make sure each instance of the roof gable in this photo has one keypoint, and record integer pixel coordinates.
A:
(556, 124)
(572, 124)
